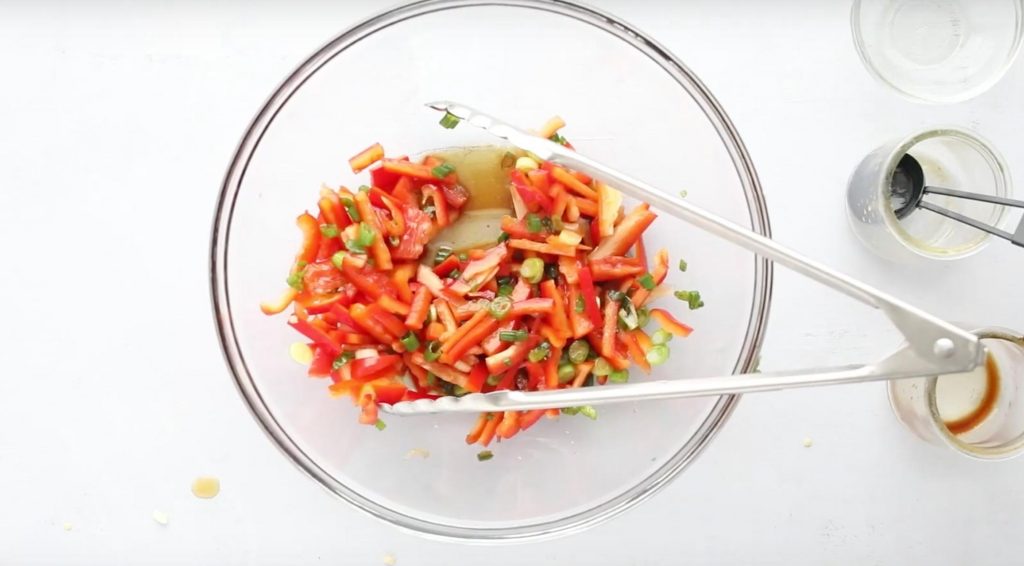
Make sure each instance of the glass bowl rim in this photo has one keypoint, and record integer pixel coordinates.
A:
(250, 393)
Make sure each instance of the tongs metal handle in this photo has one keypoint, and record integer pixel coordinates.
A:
(934, 346)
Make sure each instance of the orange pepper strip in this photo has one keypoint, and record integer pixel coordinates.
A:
(393, 305)
(281, 303)
(361, 315)
(642, 339)
(529, 418)
(626, 233)
(531, 306)
(587, 207)
(559, 319)
(582, 371)
(551, 368)
(472, 338)
(509, 425)
(394, 325)
(310, 237)
(434, 331)
(400, 277)
(409, 169)
(640, 251)
(561, 200)
(547, 248)
(570, 268)
(490, 428)
(477, 430)
(572, 210)
(669, 323)
(658, 274)
(635, 352)
(611, 316)
(419, 309)
(552, 335)
(573, 184)
(579, 322)
(379, 248)
(367, 157)
(459, 333)
(445, 315)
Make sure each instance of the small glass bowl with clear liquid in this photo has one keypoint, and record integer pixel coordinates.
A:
(977, 413)
(950, 157)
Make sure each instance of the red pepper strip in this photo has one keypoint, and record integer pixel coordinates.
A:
(669, 323)
(626, 233)
(387, 391)
(471, 339)
(477, 378)
(365, 369)
(493, 343)
(384, 179)
(570, 269)
(322, 362)
(551, 369)
(558, 317)
(510, 357)
(636, 353)
(509, 425)
(344, 318)
(393, 305)
(572, 210)
(521, 291)
(394, 325)
(281, 303)
(342, 388)
(479, 271)
(330, 208)
(404, 192)
(573, 184)
(578, 321)
(658, 273)
(609, 328)
(456, 195)
(416, 395)
(310, 237)
(477, 430)
(545, 248)
(530, 418)
(355, 338)
(317, 335)
(535, 375)
(395, 226)
(582, 371)
(560, 200)
(516, 228)
(552, 335)
(445, 315)
(640, 251)
(642, 339)
(589, 297)
(401, 275)
(490, 428)
(445, 372)
(440, 204)
(367, 157)
(361, 281)
(407, 168)
(419, 309)
(449, 264)
(431, 281)
(531, 307)
(534, 199)
(363, 318)
(461, 331)
(323, 303)
(508, 379)
(613, 267)
(585, 206)
(541, 180)
(378, 248)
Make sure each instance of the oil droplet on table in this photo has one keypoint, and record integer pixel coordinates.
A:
(206, 487)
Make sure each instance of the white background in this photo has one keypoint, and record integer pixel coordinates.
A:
(117, 121)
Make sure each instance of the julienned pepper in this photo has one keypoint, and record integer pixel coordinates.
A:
(590, 297)
(310, 238)
(364, 369)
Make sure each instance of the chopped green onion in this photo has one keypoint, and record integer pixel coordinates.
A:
(628, 316)
(532, 270)
(579, 306)
(661, 336)
(508, 160)
(329, 230)
(657, 355)
(551, 270)
(500, 307)
(432, 351)
(505, 290)
(442, 254)
(646, 281)
(618, 376)
(643, 316)
(341, 360)
(410, 341)
(533, 223)
(459, 391)
(683, 193)
(380, 425)
(295, 280)
(589, 412)
(570, 410)
(300, 264)
(350, 207)
(431, 379)
(394, 241)
(449, 120)
(566, 373)
(602, 367)
(454, 274)
(540, 353)
(692, 299)
(545, 221)
(512, 335)
(557, 138)
(682, 265)
(578, 351)
(556, 224)
(430, 209)
(338, 259)
(364, 188)
(484, 455)
(493, 380)
(442, 170)
(463, 256)
(615, 295)
(503, 237)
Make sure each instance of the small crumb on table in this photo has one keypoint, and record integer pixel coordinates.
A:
(808, 442)
(206, 487)
(389, 559)
(160, 517)
(68, 526)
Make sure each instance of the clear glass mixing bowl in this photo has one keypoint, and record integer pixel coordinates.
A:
(629, 103)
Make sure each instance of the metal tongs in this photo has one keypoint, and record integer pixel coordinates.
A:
(933, 346)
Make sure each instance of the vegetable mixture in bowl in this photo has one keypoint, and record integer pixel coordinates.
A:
(400, 301)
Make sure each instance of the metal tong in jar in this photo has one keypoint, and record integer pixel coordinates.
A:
(933, 346)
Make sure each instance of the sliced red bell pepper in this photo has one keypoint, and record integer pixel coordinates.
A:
(477, 378)
(456, 195)
(379, 248)
(450, 263)
(609, 328)
(319, 304)
(540, 179)
(573, 184)
(331, 209)
(310, 237)
(626, 233)
(636, 353)
(322, 362)
(509, 425)
(670, 324)
(433, 192)
(419, 309)
(558, 318)
(516, 228)
(318, 335)
(551, 369)
(405, 193)
(365, 369)
(367, 157)
(530, 418)
(369, 324)
(490, 427)
(418, 231)
(395, 326)
(579, 322)
(372, 284)
(510, 357)
(534, 199)
(590, 297)
(393, 305)
(613, 267)
(400, 277)
(531, 307)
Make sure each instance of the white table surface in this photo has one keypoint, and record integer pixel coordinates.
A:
(117, 120)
